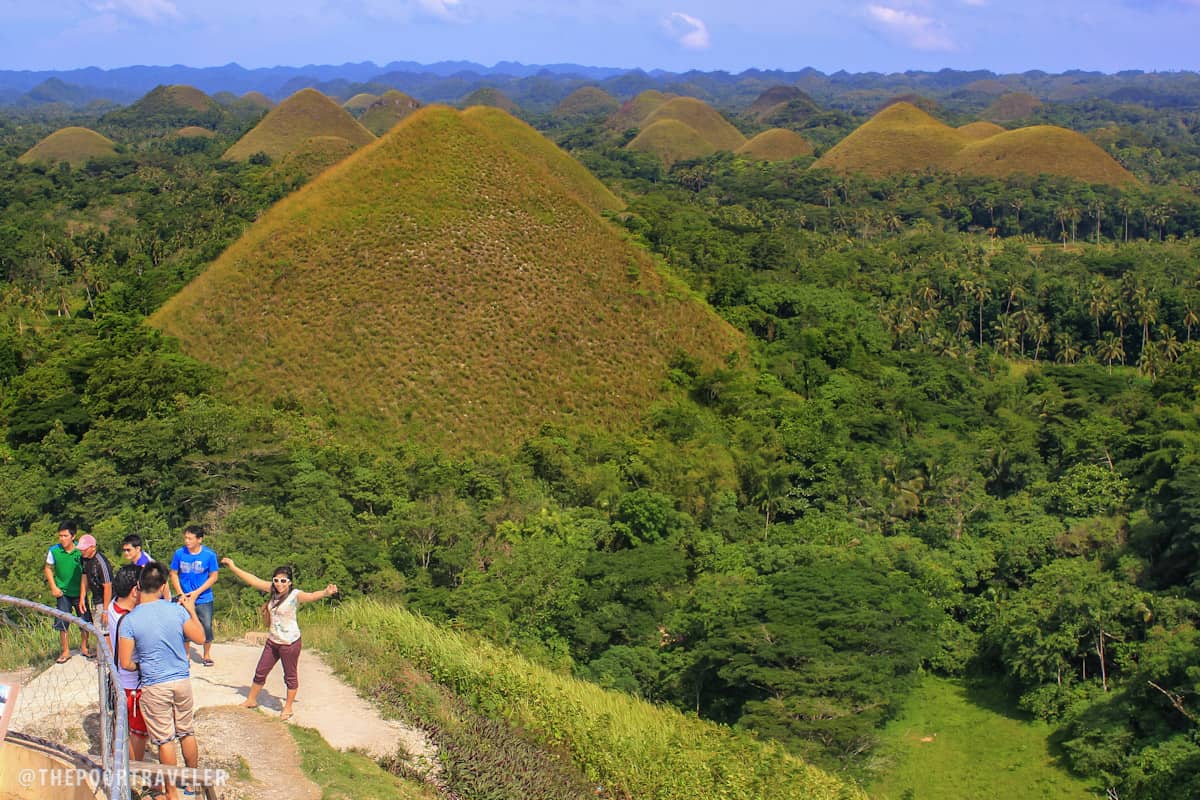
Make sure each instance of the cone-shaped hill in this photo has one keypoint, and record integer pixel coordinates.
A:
(974, 131)
(702, 118)
(633, 113)
(450, 284)
(74, 145)
(587, 101)
(391, 107)
(489, 96)
(1041, 149)
(1014, 106)
(672, 140)
(194, 131)
(304, 115)
(900, 138)
(780, 103)
(359, 102)
(165, 109)
(777, 144)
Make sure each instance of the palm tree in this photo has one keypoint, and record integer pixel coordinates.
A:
(1068, 350)
(982, 294)
(1190, 318)
(1006, 334)
(1017, 204)
(1125, 204)
(1110, 349)
(1150, 363)
(1098, 302)
(1120, 315)
(1168, 343)
(1097, 209)
(1147, 313)
(1041, 332)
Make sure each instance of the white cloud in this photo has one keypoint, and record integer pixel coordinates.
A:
(913, 30)
(148, 10)
(442, 9)
(687, 30)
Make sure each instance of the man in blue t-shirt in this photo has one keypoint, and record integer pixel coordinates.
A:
(193, 572)
(153, 642)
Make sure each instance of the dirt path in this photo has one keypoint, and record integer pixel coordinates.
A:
(234, 739)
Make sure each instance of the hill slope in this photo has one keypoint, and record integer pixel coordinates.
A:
(73, 145)
(1009, 107)
(1041, 149)
(900, 138)
(671, 140)
(777, 144)
(975, 131)
(304, 115)
(633, 113)
(700, 117)
(587, 101)
(489, 96)
(388, 109)
(448, 284)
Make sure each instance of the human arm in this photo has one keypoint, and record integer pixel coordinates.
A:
(83, 589)
(175, 581)
(54, 590)
(193, 629)
(125, 654)
(308, 597)
(248, 578)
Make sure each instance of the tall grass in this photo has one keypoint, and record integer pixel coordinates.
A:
(631, 748)
(74, 145)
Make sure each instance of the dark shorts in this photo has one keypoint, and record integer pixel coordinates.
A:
(67, 605)
(204, 612)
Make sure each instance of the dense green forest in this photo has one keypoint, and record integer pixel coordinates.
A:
(967, 443)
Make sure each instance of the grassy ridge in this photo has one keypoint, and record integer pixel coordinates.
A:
(195, 130)
(488, 96)
(630, 747)
(387, 110)
(776, 144)
(633, 113)
(702, 118)
(453, 283)
(671, 140)
(286, 127)
(1012, 106)
(73, 145)
(975, 131)
(587, 101)
(1041, 149)
(900, 138)
(360, 102)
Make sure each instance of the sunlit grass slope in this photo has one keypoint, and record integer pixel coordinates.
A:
(587, 101)
(1013, 106)
(1041, 149)
(975, 131)
(900, 138)
(257, 100)
(633, 113)
(629, 747)
(777, 144)
(73, 145)
(302, 116)
(774, 99)
(672, 140)
(950, 745)
(388, 109)
(454, 283)
(488, 96)
(166, 99)
(700, 117)
(315, 155)
(359, 102)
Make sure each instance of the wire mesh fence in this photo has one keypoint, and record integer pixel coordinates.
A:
(74, 707)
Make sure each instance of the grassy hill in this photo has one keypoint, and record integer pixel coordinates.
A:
(451, 283)
(900, 138)
(388, 109)
(314, 155)
(194, 130)
(700, 117)
(165, 109)
(489, 96)
(672, 140)
(360, 102)
(975, 131)
(782, 104)
(777, 144)
(290, 124)
(587, 101)
(1010, 107)
(1041, 149)
(74, 145)
(627, 746)
(633, 113)
(257, 100)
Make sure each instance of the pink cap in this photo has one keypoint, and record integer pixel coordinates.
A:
(86, 542)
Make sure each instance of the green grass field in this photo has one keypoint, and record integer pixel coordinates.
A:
(955, 743)
(351, 776)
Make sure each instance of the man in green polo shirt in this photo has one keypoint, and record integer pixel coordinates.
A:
(64, 571)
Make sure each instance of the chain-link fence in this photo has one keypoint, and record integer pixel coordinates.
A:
(73, 707)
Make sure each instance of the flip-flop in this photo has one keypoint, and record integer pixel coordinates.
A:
(62, 659)
(208, 662)
(88, 655)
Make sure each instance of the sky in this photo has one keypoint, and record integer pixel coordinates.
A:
(677, 35)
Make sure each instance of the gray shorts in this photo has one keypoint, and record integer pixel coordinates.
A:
(204, 612)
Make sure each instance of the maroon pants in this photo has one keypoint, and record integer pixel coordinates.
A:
(289, 654)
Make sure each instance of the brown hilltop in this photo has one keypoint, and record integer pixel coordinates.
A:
(304, 115)
(359, 102)
(900, 138)
(175, 98)
(1041, 149)
(489, 96)
(448, 284)
(190, 131)
(388, 109)
(700, 117)
(633, 113)
(1010, 107)
(671, 140)
(776, 144)
(74, 145)
(974, 131)
(257, 100)
(587, 101)
(782, 104)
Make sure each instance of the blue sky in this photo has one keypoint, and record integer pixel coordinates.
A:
(856, 35)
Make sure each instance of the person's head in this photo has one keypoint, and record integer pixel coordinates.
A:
(87, 545)
(152, 580)
(125, 581)
(193, 536)
(281, 584)
(131, 546)
(66, 533)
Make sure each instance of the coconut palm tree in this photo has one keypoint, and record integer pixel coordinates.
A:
(1068, 350)
(1168, 344)
(1099, 301)
(1190, 318)
(1110, 349)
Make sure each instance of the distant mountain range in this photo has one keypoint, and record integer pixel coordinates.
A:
(538, 87)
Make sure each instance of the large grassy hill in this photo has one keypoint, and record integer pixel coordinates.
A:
(489, 96)
(900, 138)
(74, 145)
(359, 102)
(975, 131)
(453, 283)
(700, 117)
(293, 122)
(1013, 106)
(776, 144)
(671, 140)
(587, 101)
(386, 110)
(633, 113)
(1041, 149)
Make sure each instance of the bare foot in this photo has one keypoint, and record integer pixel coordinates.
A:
(248, 704)
(285, 715)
